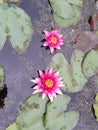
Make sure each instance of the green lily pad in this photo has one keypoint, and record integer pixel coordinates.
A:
(56, 108)
(66, 121)
(20, 28)
(16, 25)
(72, 74)
(30, 114)
(59, 8)
(78, 76)
(2, 77)
(75, 2)
(12, 127)
(68, 22)
(95, 106)
(90, 63)
(55, 116)
(66, 12)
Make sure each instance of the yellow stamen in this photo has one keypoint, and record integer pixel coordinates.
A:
(54, 40)
(49, 83)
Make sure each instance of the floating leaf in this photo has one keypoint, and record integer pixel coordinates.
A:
(75, 2)
(30, 114)
(55, 116)
(2, 77)
(61, 6)
(36, 113)
(20, 28)
(57, 107)
(95, 106)
(66, 121)
(71, 73)
(66, 12)
(12, 127)
(16, 25)
(78, 76)
(90, 63)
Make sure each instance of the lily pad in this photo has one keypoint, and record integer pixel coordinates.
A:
(12, 127)
(75, 2)
(2, 77)
(61, 6)
(36, 113)
(16, 25)
(56, 108)
(55, 116)
(68, 22)
(72, 74)
(30, 114)
(95, 106)
(66, 121)
(66, 12)
(78, 76)
(90, 63)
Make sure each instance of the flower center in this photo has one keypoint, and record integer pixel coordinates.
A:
(49, 83)
(54, 40)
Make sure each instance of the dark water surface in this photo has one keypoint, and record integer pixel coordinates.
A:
(19, 69)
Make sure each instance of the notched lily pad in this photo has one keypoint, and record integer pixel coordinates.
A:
(72, 74)
(16, 25)
(66, 12)
(55, 116)
(36, 113)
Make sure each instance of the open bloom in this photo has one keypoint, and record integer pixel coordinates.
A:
(53, 40)
(48, 83)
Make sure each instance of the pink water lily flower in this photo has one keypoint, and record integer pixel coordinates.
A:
(49, 84)
(53, 40)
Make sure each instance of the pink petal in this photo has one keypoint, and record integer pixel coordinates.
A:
(58, 47)
(61, 43)
(37, 91)
(50, 97)
(51, 50)
(55, 31)
(56, 74)
(43, 95)
(45, 44)
(46, 33)
(61, 85)
(59, 91)
(36, 80)
(54, 95)
(50, 71)
(41, 73)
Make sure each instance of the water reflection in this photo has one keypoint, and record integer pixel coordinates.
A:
(3, 94)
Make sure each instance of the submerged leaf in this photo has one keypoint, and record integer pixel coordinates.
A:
(16, 25)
